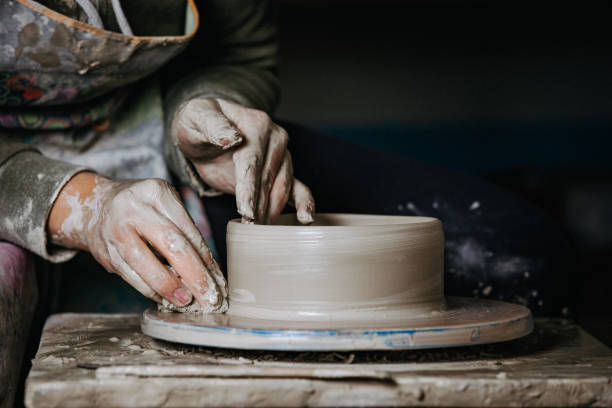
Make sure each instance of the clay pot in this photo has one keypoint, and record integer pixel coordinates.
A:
(342, 267)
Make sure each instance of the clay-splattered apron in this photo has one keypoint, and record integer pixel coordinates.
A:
(77, 92)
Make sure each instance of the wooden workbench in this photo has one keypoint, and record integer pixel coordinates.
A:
(104, 360)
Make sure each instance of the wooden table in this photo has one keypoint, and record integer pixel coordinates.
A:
(104, 360)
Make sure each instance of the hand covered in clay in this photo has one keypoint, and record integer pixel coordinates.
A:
(121, 222)
(240, 151)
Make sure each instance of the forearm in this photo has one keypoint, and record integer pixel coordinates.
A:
(29, 185)
(65, 222)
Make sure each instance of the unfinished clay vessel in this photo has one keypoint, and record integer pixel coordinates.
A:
(342, 267)
(348, 282)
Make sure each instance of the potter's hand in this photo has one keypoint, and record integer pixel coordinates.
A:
(120, 222)
(240, 151)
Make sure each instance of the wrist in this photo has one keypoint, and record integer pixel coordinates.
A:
(73, 209)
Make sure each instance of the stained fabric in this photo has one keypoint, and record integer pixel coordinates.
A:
(123, 133)
(48, 58)
(18, 296)
(74, 97)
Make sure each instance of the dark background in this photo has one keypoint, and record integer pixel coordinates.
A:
(516, 93)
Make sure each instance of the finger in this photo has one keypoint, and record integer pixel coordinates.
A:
(281, 190)
(256, 126)
(172, 208)
(201, 125)
(123, 269)
(198, 242)
(177, 250)
(277, 147)
(211, 121)
(304, 202)
(184, 223)
(247, 167)
(140, 258)
(218, 173)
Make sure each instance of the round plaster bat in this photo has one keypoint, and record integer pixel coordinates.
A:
(345, 282)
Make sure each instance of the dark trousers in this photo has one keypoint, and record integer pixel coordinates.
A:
(498, 246)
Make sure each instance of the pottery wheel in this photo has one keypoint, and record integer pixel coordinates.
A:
(466, 322)
(345, 282)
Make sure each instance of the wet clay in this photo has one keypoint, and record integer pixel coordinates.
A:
(342, 267)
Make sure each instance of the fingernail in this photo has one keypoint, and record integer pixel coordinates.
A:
(305, 217)
(182, 296)
(246, 211)
(230, 141)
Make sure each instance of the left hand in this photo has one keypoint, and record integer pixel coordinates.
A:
(121, 222)
(240, 151)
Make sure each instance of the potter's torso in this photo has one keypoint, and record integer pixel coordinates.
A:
(69, 88)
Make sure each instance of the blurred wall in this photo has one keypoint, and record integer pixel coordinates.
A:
(498, 83)
(520, 92)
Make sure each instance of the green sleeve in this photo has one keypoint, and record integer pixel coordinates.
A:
(29, 185)
(233, 56)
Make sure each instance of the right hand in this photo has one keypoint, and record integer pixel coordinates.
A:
(241, 151)
(120, 222)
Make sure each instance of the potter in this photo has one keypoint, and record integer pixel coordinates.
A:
(105, 110)
(111, 195)
(82, 121)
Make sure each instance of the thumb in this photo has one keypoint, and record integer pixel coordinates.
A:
(202, 123)
(218, 129)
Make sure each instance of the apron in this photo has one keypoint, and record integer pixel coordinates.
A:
(90, 96)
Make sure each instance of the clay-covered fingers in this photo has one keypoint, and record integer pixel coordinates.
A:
(174, 246)
(125, 223)
(115, 263)
(197, 241)
(181, 243)
(304, 202)
(275, 158)
(281, 190)
(218, 173)
(248, 162)
(257, 161)
(139, 260)
(263, 173)
(202, 131)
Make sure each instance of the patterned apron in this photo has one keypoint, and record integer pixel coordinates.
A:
(90, 96)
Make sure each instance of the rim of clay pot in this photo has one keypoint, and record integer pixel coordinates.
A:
(340, 222)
